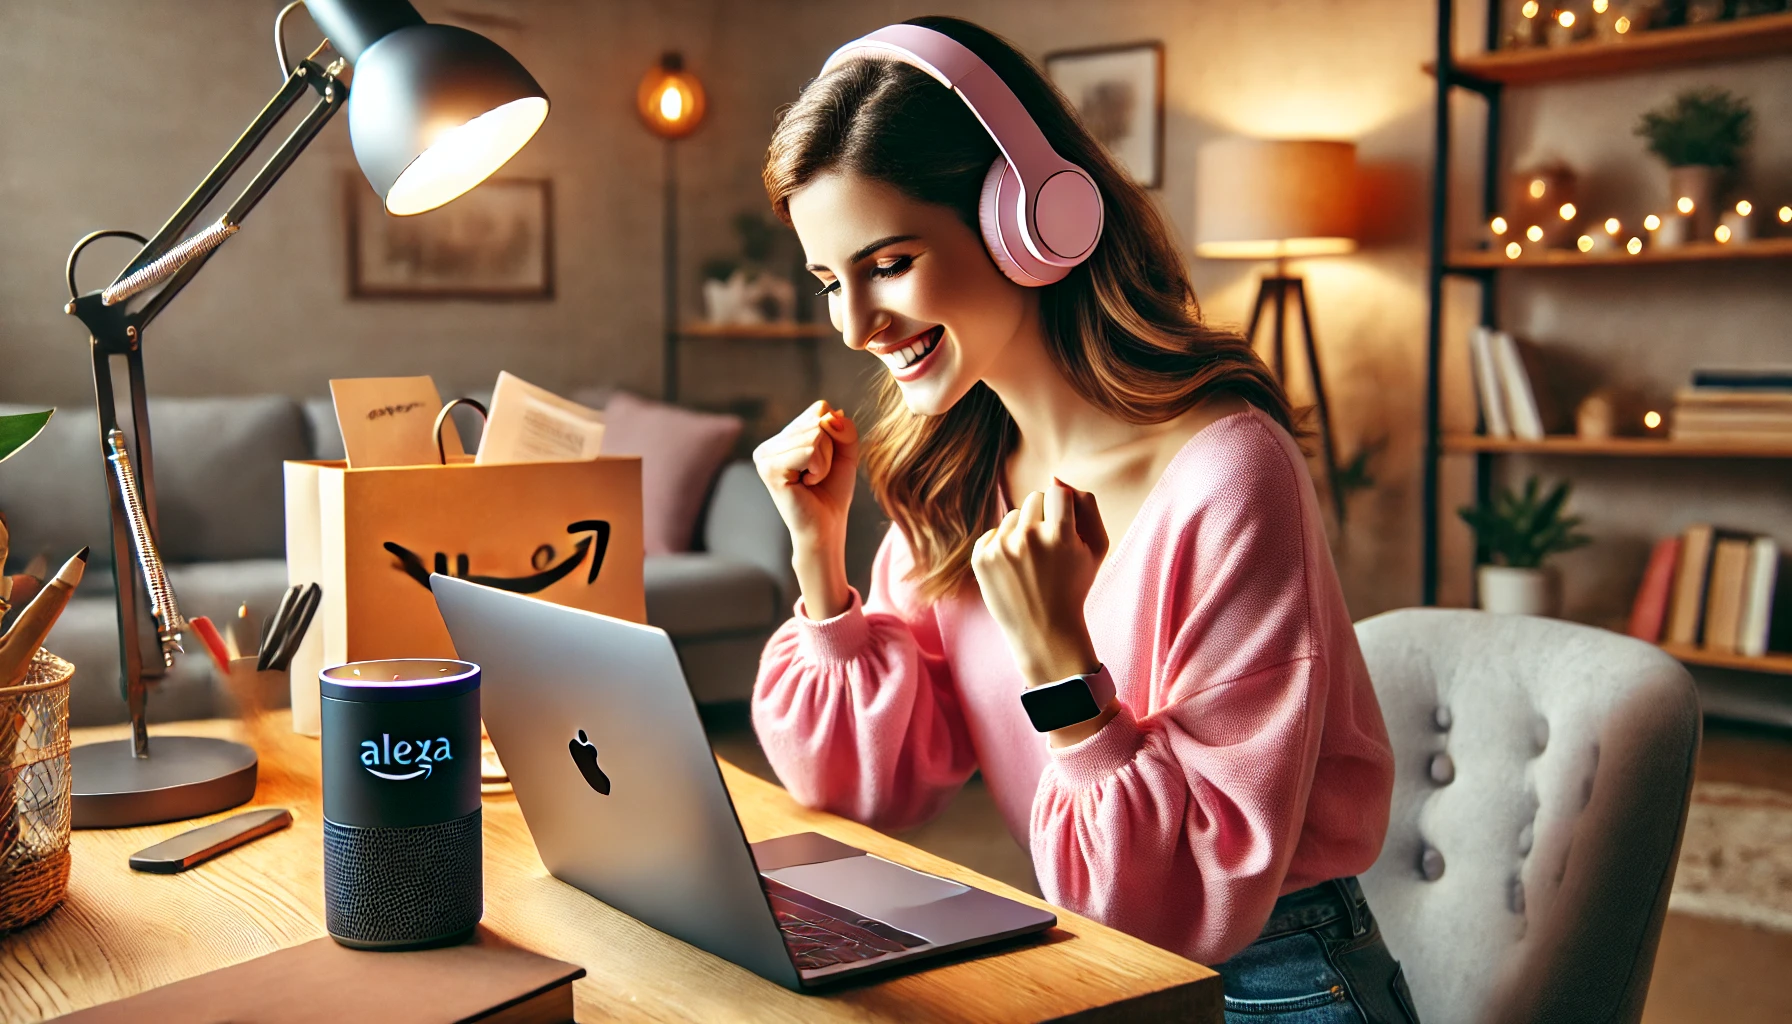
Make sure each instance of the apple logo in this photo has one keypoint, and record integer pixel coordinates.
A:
(584, 754)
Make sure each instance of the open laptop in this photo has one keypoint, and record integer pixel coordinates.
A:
(615, 778)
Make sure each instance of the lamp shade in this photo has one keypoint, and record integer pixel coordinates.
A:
(1270, 198)
(433, 109)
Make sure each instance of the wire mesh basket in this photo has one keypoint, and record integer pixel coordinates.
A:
(34, 792)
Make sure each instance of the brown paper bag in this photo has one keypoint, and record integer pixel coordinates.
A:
(567, 532)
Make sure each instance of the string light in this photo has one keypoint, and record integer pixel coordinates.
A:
(1534, 233)
(1567, 211)
(1584, 243)
(1622, 25)
(1514, 250)
(1722, 233)
(1744, 207)
(1529, 9)
(1786, 215)
(1634, 246)
(1651, 222)
(1497, 225)
(1683, 204)
(1612, 227)
(1538, 187)
(1651, 419)
(1600, 6)
(1565, 19)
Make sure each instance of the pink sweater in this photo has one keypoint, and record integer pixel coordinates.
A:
(1249, 759)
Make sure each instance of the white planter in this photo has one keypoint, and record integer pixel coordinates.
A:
(1512, 591)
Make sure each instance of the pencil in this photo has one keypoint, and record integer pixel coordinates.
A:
(34, 623)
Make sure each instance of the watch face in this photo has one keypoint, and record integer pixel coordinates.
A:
(1059, 705)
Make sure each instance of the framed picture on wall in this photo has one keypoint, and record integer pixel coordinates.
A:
(494, 242)
(1119, 93)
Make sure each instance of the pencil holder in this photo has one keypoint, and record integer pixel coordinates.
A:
(34, 792)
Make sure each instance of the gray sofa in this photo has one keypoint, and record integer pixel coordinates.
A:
(220, 499)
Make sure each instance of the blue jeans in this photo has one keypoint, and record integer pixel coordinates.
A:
(1319, 960)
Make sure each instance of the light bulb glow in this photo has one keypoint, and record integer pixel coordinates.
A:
(1744, 207)
(671, 103)
(1534, 233)
(1601, 6)
(1651, 222)
(1622, 25)
(1529, 9)
(1651, 419)
(1634, 246)
(1538, 187)
(1567, 211)
(1722, 234)
(1497, 225)
(1565, 19)
(1683, 204)
(465, 155)
(1612, 226)
(1514, 250)
(1584, 243)
(1786, 215)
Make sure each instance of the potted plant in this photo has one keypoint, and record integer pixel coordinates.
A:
(1700, 136)
(1519, 531)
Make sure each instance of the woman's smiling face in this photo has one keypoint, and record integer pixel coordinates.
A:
(909, 282)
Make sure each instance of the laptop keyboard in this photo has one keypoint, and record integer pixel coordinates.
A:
(820, 934)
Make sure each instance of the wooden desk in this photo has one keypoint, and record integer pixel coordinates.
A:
(120, 932)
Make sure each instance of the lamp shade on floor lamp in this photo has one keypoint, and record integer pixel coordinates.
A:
(1275, 198)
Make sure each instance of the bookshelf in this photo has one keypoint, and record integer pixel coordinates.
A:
(1775, 663)
(1490, 75)
(1621, 447)
(1698, 252)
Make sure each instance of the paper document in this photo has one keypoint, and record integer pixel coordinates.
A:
(390, 421)
(531, 424)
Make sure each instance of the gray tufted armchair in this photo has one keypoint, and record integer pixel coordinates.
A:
(1542, 772)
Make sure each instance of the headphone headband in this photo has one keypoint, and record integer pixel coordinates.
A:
(1058, 203)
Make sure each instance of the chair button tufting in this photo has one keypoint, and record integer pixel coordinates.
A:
(1540, 733)
(1431, 863)
(1526, 836)
(1443, 770)
(1516, 896)
(1441, 719)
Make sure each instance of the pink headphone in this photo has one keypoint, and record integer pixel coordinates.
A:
(1041, 214)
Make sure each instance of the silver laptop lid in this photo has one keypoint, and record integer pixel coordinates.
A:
(663, 844)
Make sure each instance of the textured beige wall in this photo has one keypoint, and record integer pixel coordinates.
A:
(172, 82)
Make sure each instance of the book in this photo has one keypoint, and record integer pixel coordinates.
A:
(1487, 383)
(1686, 606)
(1744, 380)
(1758, 598)
(1522, 407)
(1724, 593)
(1649, 612)
(485, 979)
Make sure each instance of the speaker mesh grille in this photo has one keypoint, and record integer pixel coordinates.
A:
(403, 884)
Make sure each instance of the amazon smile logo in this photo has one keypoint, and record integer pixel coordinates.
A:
(406, 759)
(549, 571)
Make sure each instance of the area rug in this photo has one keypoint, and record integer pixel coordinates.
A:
(1736, 859)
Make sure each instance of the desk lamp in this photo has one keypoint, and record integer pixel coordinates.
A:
(435, 110)
(1264, 199)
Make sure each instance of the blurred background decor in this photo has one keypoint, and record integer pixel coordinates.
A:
(1519, 531)
(1700, 136)
(1118, 91)
(497, 242)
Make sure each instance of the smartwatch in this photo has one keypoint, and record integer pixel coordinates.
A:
(1068, 701)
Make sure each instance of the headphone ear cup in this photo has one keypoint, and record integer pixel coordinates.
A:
(998, 215)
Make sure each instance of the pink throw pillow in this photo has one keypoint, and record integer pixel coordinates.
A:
(681, 453)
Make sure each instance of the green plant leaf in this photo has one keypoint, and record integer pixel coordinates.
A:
(17, 431)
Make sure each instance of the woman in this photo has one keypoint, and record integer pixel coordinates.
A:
(1163, 539)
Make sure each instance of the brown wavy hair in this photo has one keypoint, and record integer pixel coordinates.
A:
(1123, 328)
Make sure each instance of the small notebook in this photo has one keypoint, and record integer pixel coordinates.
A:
(319, 982)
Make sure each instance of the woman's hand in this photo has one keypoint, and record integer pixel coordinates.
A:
(810, 467)
(1035, 569)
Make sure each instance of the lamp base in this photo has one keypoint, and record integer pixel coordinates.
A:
(184, 777)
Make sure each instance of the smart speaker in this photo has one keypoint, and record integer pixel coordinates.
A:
(401, 803)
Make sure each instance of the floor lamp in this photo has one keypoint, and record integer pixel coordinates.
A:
(435, 111)
(671, 103)
(1264, 199)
